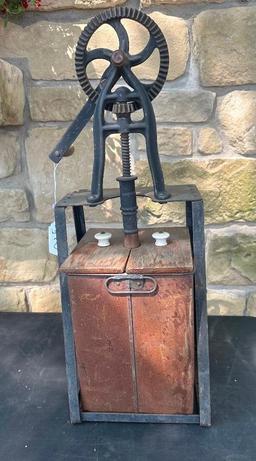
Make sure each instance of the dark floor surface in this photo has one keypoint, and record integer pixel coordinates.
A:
(34, 413)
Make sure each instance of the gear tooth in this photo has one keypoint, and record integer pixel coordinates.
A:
(90, 28)
(111, 12)
(159, 85)
(82, 41)
(108, 14)
(131, 13)
(163, 49)
(79, 64)
(161, 73)
(103, 17)
(128, 12)
(97, 21)
(79, 48)
(88, 25)
(154, 93)
(123, 107)
(165, 65)
(138, 15)
(80, 74)
(147, 21)
(79, 59)
(83, 81)
(79, 52)
(91, 24)
(161, 41)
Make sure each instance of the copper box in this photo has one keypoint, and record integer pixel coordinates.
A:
(133, 322)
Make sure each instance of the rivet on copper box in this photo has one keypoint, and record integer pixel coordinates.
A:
(133, 300)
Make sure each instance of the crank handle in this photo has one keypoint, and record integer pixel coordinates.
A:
(64, 146)
(69, 152)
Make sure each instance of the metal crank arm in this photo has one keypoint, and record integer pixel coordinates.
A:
(72, 132)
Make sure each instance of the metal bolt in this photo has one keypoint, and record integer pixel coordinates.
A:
(118, 58)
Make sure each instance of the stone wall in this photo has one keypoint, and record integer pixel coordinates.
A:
(206, 127)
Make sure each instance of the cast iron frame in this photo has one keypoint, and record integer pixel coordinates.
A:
(189, 195)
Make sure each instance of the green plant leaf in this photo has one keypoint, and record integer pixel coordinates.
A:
(13, 7)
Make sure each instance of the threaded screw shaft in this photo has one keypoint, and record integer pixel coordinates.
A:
(126, 158)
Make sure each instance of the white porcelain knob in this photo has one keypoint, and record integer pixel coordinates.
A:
(103, 238)
(161, 238)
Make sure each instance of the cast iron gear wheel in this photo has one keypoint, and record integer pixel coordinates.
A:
(113, 18)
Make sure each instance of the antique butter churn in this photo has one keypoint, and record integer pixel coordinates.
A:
(134, 300)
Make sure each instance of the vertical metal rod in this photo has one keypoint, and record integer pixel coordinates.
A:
(72, 380)
(127, 187)
(129, 210)
(78, 213)
(189, 224)
(195, 222)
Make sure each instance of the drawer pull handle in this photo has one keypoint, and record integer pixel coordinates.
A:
(132, 280)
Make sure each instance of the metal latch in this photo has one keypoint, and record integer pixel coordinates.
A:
(136, 284)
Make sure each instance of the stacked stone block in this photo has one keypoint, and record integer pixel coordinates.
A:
(206, 118)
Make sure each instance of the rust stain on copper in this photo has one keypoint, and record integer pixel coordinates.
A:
(164, 347)
(101, 330)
